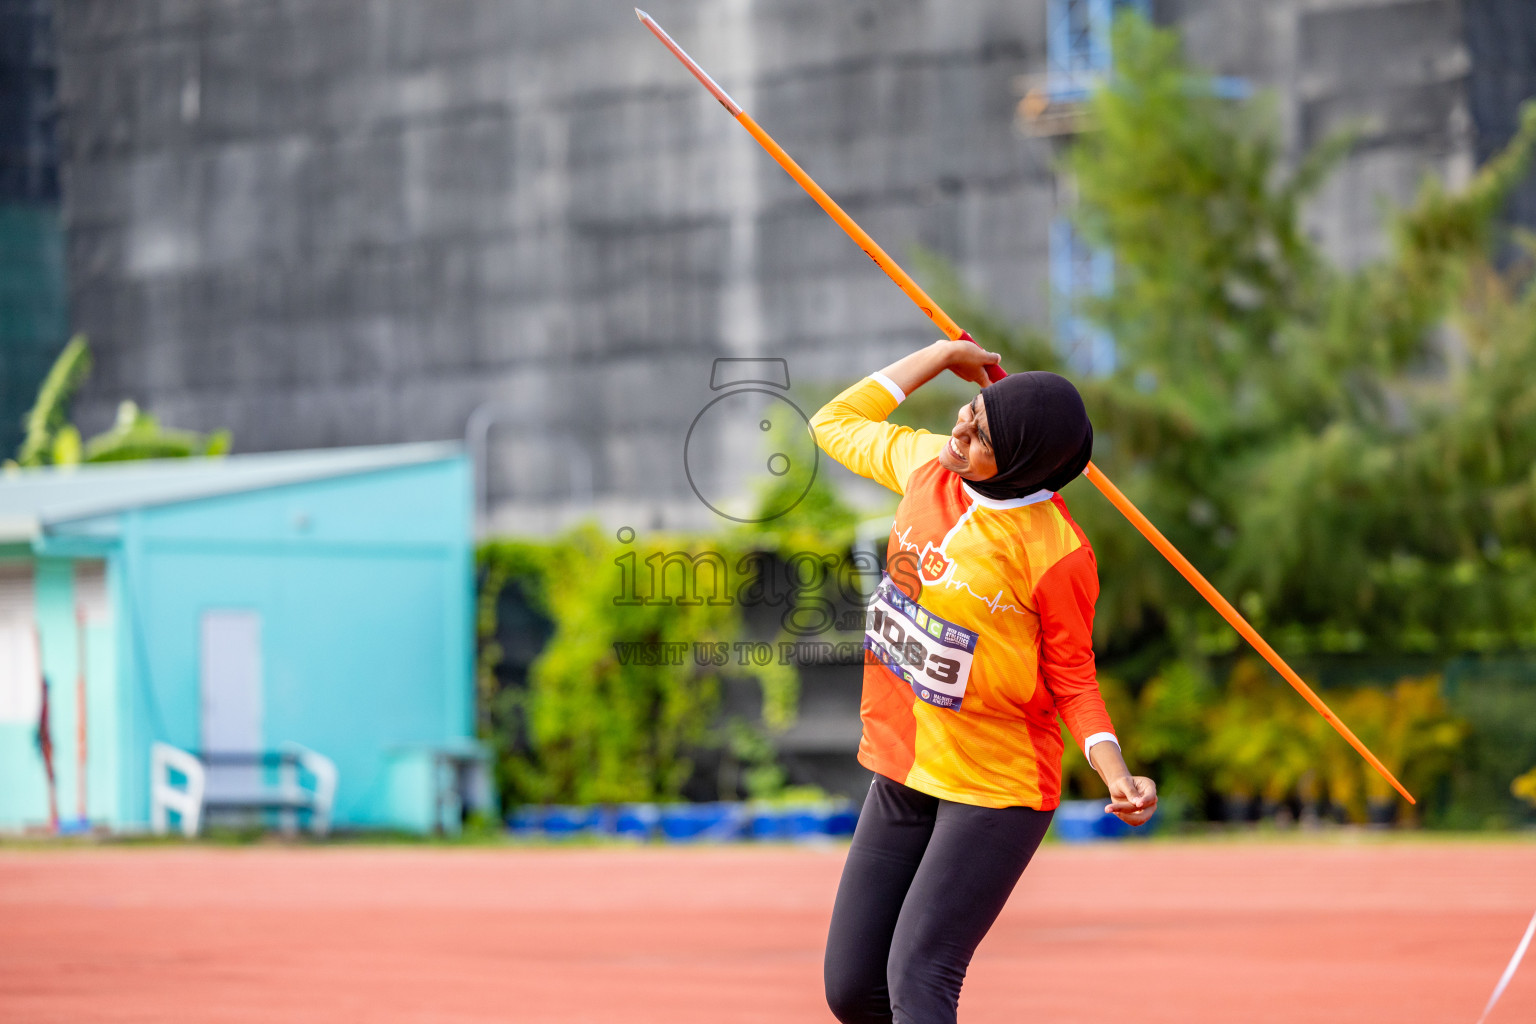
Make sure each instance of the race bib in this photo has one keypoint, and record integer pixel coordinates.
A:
(930, 653)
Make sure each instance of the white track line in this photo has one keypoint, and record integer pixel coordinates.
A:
(1509, 972)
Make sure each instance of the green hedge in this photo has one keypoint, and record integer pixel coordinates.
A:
(1252, 746)
(612, 702)
(642, 638)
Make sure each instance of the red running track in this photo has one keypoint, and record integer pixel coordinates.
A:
(1390, 930)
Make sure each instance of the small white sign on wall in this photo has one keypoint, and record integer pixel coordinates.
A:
(21, 689)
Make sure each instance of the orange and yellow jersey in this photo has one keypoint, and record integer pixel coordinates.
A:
(1008, 586)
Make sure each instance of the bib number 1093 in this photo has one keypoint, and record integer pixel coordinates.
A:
(932, 654)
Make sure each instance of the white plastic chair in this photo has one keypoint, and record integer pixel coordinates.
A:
(164, 797)
(188, 801)
(324, 794)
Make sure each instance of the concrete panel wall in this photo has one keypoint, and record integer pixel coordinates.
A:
(1501, 36)
(324, 222)
(1391, 73)
(33, 304)
(338, 222)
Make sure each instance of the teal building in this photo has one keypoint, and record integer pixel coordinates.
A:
(318, 598)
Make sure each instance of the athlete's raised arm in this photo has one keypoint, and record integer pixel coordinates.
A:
(852, 429)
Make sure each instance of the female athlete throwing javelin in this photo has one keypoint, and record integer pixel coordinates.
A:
(979, 635)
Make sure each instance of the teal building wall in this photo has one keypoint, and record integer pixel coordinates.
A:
(364, 584)
(24, 793)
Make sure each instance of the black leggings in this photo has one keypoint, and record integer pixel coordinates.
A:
(924, 880)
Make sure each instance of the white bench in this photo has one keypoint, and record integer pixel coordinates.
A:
(193, 799)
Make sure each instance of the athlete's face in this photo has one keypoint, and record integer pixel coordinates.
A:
(969, 451)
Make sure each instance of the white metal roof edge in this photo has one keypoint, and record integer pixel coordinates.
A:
(149, 483)
(18, 529)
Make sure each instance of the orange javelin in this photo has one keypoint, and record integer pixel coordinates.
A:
(954, 332)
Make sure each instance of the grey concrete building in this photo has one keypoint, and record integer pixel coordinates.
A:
(326, 222)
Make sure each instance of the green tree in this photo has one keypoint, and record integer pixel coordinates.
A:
(618, 706)
(51, 439)
(1346, 453)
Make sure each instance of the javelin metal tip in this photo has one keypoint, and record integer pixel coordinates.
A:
(692, 65)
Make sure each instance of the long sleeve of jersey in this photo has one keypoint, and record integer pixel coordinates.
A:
(852, 429)
(1065, 597)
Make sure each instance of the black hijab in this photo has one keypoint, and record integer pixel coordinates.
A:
(1040, 434)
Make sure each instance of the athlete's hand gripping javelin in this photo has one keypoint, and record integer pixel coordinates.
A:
(966, 359)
